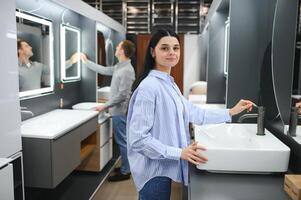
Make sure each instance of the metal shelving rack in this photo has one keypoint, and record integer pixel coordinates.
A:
(94, 3)
(163, 14)
(114, 9)
(143, 16)
(187, 16)
(137, 18)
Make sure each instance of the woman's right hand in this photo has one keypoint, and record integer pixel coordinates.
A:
(241, 106)
(192, 154)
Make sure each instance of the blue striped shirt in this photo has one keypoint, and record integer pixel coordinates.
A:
(157, 129)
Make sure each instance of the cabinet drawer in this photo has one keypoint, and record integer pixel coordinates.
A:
(105, 132)
(106, 153)
(65, 155)
(88, 128)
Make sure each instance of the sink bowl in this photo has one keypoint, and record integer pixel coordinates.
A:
(104, 93)
(90, 106)
(235, 148)
(211, 106)
(297, 138)
(55, 123)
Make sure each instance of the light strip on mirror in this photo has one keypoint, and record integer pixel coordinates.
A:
(63, 28)
(63, 54)
(226, 48)
(35, 92)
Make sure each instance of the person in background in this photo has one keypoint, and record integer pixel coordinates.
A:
(32, 74)
(159, 146)
(123, 76)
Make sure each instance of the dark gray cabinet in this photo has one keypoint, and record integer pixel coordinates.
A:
(65, 155)
(47, 162)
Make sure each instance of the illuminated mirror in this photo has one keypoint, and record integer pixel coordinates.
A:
(35, 55)
(70, 51)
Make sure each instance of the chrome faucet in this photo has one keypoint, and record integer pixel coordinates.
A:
(260, 119)
(25, 113)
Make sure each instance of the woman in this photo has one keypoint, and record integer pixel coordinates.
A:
(158, 118)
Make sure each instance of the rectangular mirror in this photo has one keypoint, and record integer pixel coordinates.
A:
(35, 55)
(70, 51)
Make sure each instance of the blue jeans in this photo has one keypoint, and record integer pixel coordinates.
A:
(119, 128)
(158, 188)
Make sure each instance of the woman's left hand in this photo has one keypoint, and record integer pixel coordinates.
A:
(241, 106)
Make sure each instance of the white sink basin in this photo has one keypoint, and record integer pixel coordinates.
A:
(237, 148)
(297, 138)
(211, 106)
(104, 92)
(55, 123)
(102, 116)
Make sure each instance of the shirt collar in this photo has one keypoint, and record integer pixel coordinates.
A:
(28, 65)
(162, 75)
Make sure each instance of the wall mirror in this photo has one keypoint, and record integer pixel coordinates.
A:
(70, 45)
(35, 55)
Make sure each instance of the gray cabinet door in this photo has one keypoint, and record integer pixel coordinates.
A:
(10, 119)
(7, 182)
(65, 155)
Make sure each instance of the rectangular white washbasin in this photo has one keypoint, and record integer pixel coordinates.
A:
(237, 148)
(55, 123)
(297, 138)
(104, 92)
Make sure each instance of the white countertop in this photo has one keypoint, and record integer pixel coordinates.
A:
(55, 123)
(4, 161)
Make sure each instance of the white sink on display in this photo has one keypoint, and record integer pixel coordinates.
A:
(102, 116)
(211, 106)
(235, 148)
(297, 138)
(55, 123)
(104, 92)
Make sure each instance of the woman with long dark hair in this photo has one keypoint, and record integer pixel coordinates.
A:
(159, 147)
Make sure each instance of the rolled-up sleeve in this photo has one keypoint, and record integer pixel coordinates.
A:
(206, 116)
(140, 122)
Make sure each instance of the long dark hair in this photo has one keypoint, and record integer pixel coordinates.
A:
(149, 61)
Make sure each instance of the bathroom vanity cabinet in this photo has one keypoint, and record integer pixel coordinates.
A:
(207, 186)
(103, 151)
(48, 159)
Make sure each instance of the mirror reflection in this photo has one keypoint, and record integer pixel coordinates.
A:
(70, 51)
(35, 54)
(109, 52)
